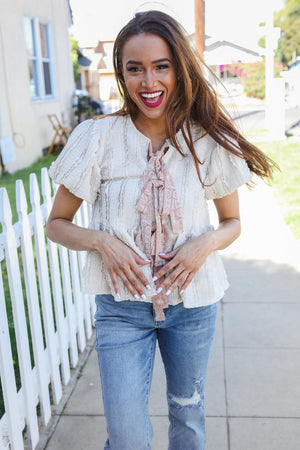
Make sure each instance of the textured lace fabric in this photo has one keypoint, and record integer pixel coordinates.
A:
(159, 208)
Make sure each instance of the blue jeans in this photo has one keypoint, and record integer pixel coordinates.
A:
(126, 340)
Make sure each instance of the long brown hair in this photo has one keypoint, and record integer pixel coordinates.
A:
(194, 99)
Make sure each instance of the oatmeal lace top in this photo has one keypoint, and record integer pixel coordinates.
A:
(105, 162)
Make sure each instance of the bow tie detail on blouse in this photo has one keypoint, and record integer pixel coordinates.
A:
(158, 203)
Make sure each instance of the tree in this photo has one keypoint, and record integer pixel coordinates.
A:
(288, 19)
(74, 54)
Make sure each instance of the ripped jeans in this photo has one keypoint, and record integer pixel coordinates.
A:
(126, 340)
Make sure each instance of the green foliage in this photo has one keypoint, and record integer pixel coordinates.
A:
(278, 51)
(83, 110)
(74, 54)
(262, 42)
(288, 19)
(254, 79)
(286, 183)
(252, 76)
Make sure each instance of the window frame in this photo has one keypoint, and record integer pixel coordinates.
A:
(39, 60)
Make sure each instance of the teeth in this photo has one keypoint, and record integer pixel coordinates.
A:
(149, 95)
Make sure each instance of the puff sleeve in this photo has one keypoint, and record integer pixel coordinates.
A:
(78, 165)
(225, 173)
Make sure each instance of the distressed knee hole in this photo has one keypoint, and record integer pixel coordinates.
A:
(197, 399)
(188, 401)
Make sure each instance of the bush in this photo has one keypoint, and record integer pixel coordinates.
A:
(252, 76)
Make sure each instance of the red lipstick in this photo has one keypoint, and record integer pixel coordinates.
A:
(151, 99)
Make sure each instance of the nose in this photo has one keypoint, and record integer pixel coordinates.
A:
(149, 80)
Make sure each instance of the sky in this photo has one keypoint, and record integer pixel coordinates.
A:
(233, 20)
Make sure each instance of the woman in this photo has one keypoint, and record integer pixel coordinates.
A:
(152, 263)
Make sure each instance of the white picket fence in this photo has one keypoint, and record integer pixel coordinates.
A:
(60, 315)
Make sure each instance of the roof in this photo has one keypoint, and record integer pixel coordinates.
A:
(83, 61)
(215, 44)
(220, 52)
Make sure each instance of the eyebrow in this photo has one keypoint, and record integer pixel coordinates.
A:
(139, 63)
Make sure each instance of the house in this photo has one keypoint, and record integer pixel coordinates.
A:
(36, 77)
(97, 76)
(220, 53)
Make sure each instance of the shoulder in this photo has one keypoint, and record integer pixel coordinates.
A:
(204, 144)
(96, 131)
(207, 146)
(99, 124)
(108, 122)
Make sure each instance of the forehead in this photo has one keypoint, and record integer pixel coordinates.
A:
(144, 47)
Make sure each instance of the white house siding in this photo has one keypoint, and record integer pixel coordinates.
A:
(223, 52)
(21, 117)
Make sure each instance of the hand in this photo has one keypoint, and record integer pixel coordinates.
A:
(123, 262)
(184, 262)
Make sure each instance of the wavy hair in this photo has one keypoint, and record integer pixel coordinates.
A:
(194, 99)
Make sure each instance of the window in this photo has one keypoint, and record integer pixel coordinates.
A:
(38, 40)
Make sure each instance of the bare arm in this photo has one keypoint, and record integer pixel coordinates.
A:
(187, 259)
(61, 229)
(119, 259)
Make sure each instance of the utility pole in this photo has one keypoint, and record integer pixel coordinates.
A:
(269, 67)
(200, 26)
(274, 102)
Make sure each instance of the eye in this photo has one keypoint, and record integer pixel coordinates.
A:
(162, 66)
(133, 69)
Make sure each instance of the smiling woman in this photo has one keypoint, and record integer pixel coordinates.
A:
(150, 79)
(152, 258)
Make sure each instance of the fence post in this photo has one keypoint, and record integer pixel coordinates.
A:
(42, 264)
(56, 285)
(46, 189)
(66, 277)
(82, 219)
(8, 379)
(33, 302)
(15, 286)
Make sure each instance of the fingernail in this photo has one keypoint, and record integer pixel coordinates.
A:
(136, 297)
(168, 292)
(148, 287)
(159, 290)
(143, 296)
(162, 254)
(154, 278)
(182, 291)
(117, 295)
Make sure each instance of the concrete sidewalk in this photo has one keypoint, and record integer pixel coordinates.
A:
(253, 382)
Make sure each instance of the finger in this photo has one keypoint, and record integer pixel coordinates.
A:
(129, 285)
(177, 282)
(133, 285)
(115, 283)
(139, 274)
(169, 255)
(165, 269)
(140, 260)
(165, 255)
(169, 279)
(187, 282)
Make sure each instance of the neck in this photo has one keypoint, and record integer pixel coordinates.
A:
(152, 129)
